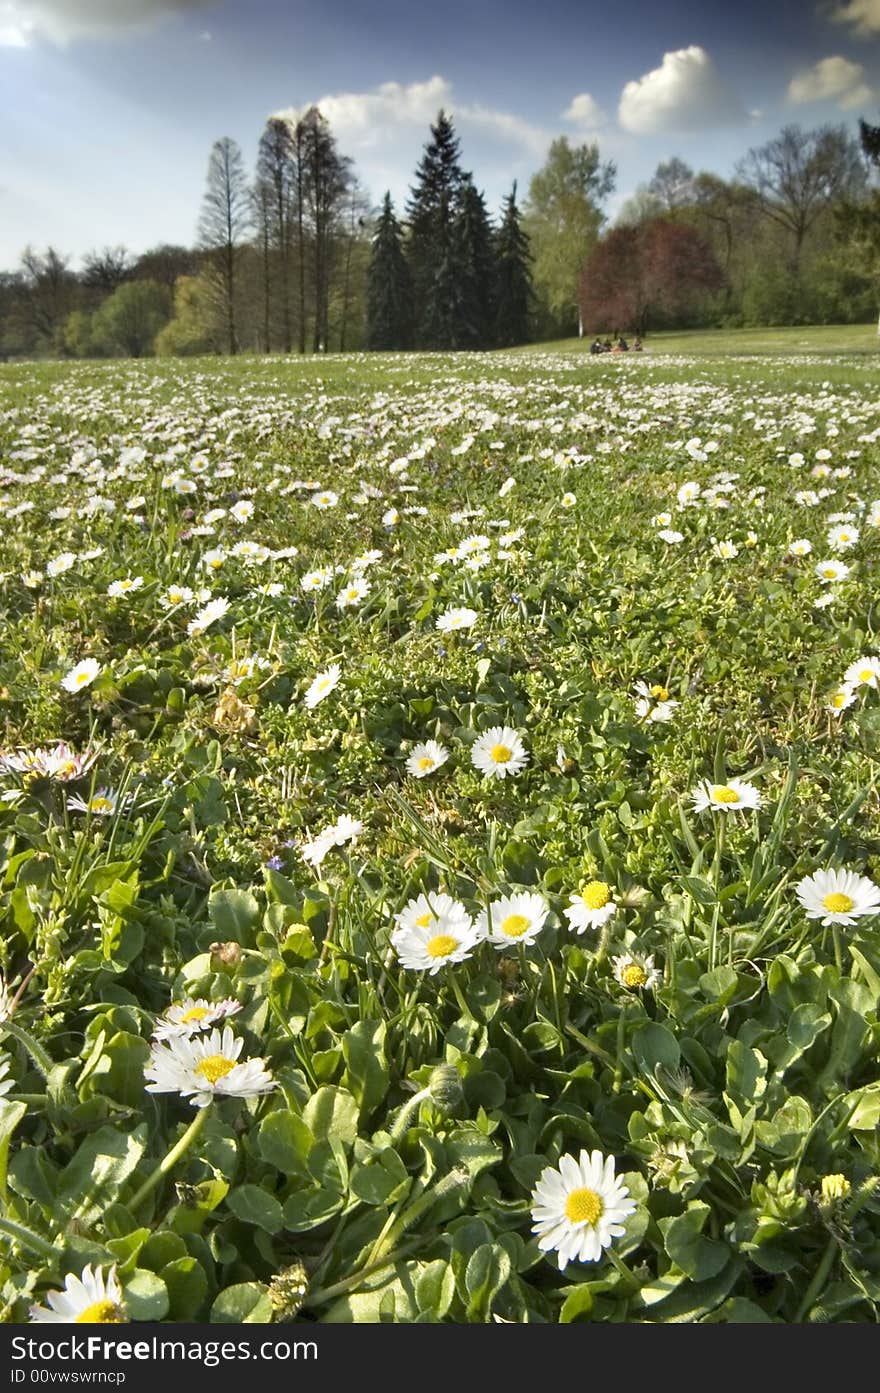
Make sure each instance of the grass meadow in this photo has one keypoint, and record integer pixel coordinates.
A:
(439, 826)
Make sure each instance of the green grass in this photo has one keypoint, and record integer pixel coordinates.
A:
(822, 339)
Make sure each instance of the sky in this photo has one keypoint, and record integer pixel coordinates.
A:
(109, 108)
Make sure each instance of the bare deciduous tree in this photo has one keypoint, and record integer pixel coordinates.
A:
(226, 214)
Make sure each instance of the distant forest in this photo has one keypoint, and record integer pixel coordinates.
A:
(292, 257)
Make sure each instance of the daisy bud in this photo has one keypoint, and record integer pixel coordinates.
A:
(445, 1088)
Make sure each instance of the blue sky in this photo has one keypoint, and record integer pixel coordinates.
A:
(109, 107)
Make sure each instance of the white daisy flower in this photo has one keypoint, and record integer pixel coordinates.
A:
(83, 675)
(864, 672)
(579, 1207)
(94, 1298)
(352, 594)
(428, 949)
(327, 499)
(670, 536)
(567, 500)
(513, 919)
(635, 973)
(592, 907)
(838, 896)
(242, 510)
(499, 752)
(732, 797)
(830, 572)
(840, 699)
(451, 620)
(322, 685)
(430, 911)
(425, 758)
(688, 493)
(204, 1067)
(208, 615)
(802, 547)
(192, 1016)
(103, 803)
(124, 586)
(653, 702)
(843, 537)
(316, 580)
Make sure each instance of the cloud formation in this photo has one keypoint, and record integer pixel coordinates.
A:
(686, 92)
(832, 80)
(863, 15)
(365, 121)
(23, 22)
(584, 111)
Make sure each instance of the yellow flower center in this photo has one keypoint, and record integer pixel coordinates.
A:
(723, 793)
(596, 894)
(838, 903)
(195, 1013)
(426, 762)
(441, 945)
(499, 754)
(866, 674)
(82, 678)
(659, 693)
(634, 976)
(214, 1067)
(515, 925)
(584, 1206)
(101, 1313)
(838, 700)
(829, 572)
(424, 921)
(101, 805)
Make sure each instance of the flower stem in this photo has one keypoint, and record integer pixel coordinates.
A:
(820, 1277)
(174, 1155)
(42, 1060)
(453, 1181)
(28, 1239)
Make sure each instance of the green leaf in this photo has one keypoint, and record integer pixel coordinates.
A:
(332, 1112)
(96, 1175)
(366, 1074)
(243, 1304)
(699, 1257)
(10, 1116)
(146, 1295)
(187, 1287)
(577, 1305)
(435, 1288)
(654, 1045)
(487, 1271)
(864, 1104)
(384, 1181)
(253, 1205)
(284, 1141)
(234, 914)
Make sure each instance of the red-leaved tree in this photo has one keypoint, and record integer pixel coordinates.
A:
(658, 268)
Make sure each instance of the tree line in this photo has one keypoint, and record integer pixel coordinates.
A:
(293, 258)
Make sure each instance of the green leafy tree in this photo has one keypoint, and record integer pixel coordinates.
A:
(389, 286)
(195, 327)
(432, 212)
(130, 319)
(513, 292)
(563, 220)
(473, 262)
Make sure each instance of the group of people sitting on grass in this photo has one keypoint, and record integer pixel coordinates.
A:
(617, 345)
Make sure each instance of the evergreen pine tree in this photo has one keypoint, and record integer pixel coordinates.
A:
(431, 214)
(474, 265)
(870, 142)
(389, 288)
(513, 292)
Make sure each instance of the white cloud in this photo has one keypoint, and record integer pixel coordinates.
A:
(583, 110)
(863, 15)
(362, 121)
(22, 22)
(685, 93)
(832, 80)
